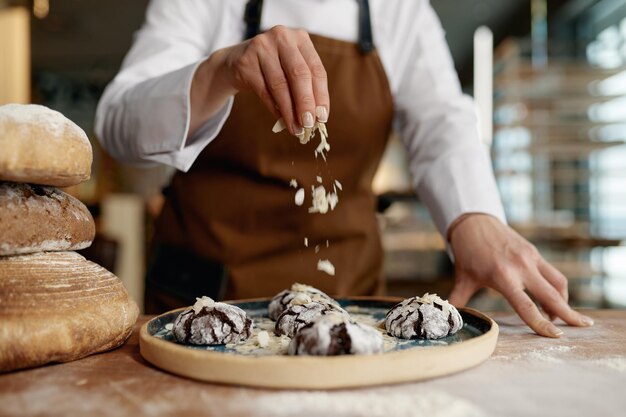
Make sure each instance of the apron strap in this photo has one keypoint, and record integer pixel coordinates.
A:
(252, 17)
(254, 9)
(366, 40)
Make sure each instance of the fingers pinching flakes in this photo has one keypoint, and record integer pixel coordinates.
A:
(279, 88)
(299, 78)
(319, 79)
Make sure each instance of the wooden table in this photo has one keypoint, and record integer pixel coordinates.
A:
(581, 374)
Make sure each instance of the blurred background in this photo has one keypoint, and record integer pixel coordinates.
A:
(549, 78)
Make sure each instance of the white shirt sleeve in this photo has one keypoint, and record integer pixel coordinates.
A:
(143, 115)
(450, 167)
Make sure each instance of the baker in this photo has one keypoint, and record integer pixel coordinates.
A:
(200, 90)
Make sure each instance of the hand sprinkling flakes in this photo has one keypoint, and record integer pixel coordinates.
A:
(308, 134)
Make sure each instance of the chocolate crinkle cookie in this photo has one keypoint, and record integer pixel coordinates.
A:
(211, 323)
(427, 317)
(301, 312)
(335, 334)
(283, 299)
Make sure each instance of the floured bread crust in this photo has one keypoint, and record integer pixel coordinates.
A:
(59, 307)
(211, 323)
(283, 299)
(297, 316)
(41, 146)
(427, 317)
(333, 335)
(38, 218)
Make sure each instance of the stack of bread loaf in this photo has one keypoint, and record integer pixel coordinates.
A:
(55, 306)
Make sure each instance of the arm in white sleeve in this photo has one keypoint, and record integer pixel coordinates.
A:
(143, 115)
(451, 168)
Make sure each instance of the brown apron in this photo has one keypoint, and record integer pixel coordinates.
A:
(235, 206)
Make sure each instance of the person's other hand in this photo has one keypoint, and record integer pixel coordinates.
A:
(281, 66)
(488, 253)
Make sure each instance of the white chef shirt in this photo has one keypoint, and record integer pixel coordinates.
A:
(143, 116)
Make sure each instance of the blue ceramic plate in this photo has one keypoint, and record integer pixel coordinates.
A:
(269, 367)
(366, 310)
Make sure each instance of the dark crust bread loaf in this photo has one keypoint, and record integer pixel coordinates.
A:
(41, 146)
(59, 307)
(212, 324)
(336, 335)
(37, 218)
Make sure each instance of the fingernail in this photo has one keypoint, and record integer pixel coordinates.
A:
(298, 130)
(307, 119)
(553, 330)
(586, 321)
(321, 113)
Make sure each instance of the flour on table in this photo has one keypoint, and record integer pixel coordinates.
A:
(550, 354)
(415, 401)
(616, 363)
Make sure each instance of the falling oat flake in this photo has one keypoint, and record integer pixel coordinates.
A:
(325, 265)
(299, 197)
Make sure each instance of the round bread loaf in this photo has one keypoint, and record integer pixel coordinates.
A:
(211, 323)
(301, 312)
(335, 334)
(427, 317)
(36, 218)
(279, 303)
(58, 307)
(41, 146)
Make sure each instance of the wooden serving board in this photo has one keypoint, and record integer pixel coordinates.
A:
(251, 365)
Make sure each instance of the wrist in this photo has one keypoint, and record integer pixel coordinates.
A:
(217, 72)
(209, 91)
(454, 226)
